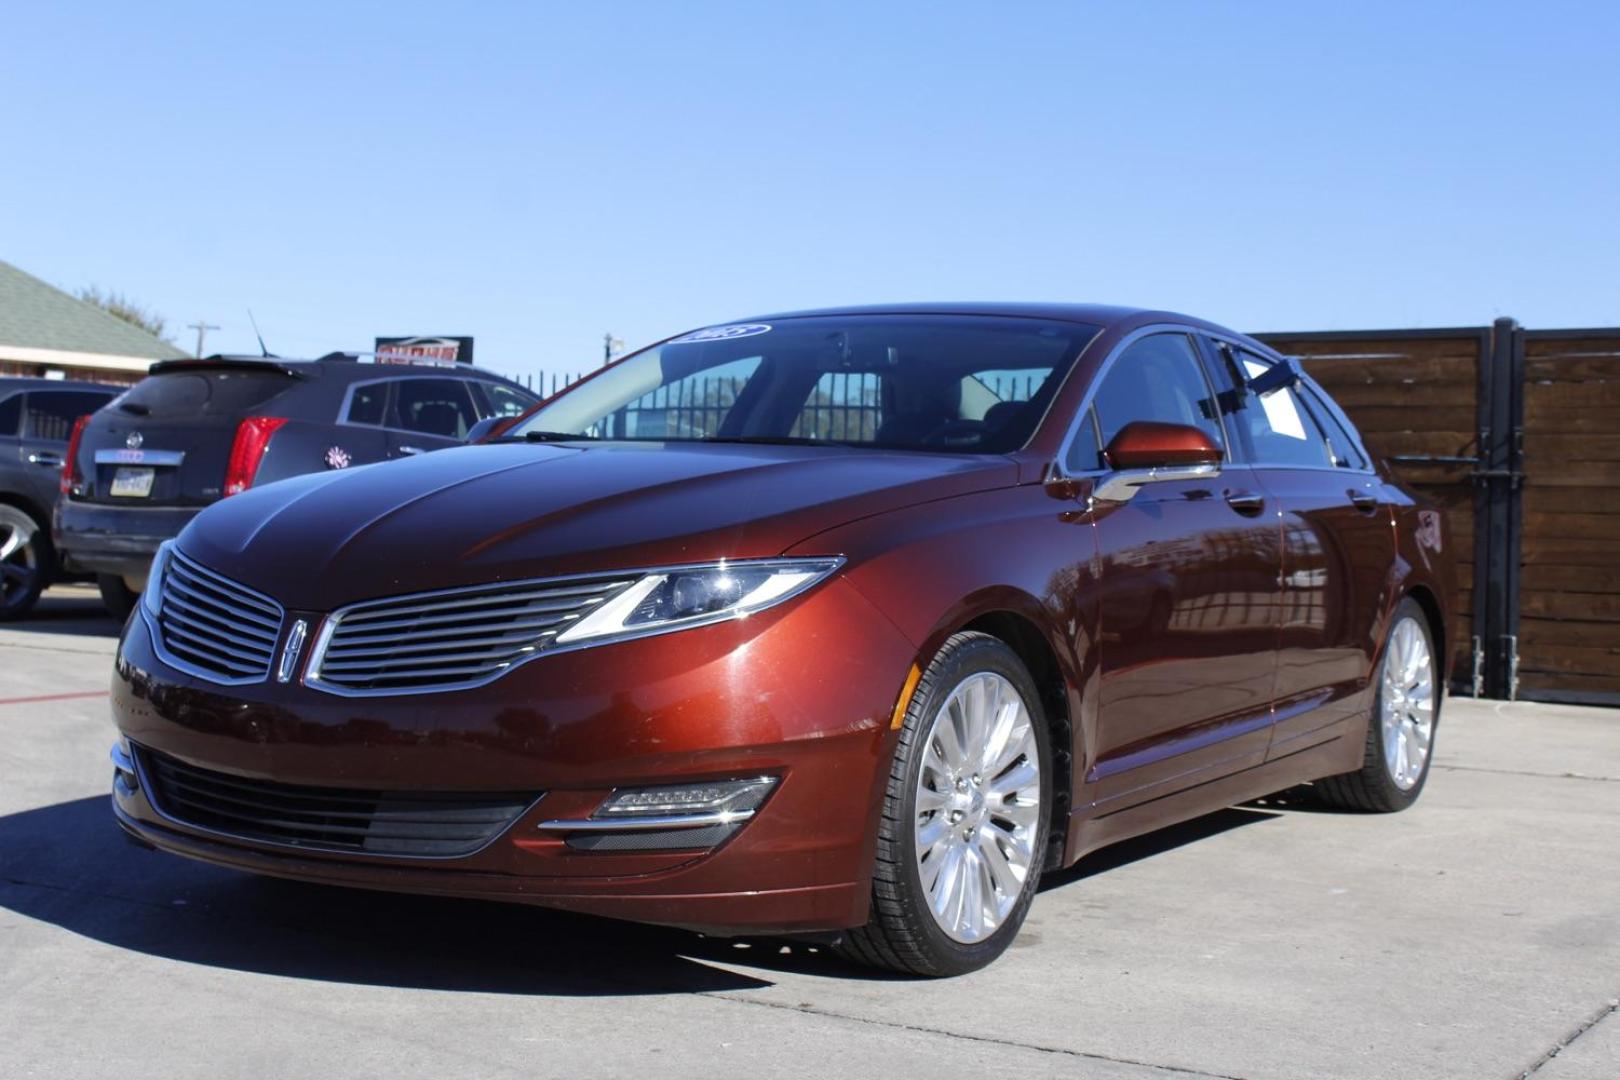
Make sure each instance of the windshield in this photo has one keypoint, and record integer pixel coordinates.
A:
(951, 383)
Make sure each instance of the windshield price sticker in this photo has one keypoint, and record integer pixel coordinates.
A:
(723, 333)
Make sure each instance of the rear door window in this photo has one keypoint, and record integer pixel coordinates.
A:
(52, 413)
(177, 394)
(441, 407)
(1280, 430)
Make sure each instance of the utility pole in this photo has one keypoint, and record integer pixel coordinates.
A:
(201, 328)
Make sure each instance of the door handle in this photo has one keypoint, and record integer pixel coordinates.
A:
(411, 450)
(45, 459)
(1247, 503)
(1365, 501)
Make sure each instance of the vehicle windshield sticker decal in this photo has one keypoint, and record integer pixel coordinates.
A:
(723, 333)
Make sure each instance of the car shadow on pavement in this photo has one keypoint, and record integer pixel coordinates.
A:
(73, 610)
(69, 865)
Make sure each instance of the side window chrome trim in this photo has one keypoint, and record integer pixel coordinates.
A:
(1060, 469)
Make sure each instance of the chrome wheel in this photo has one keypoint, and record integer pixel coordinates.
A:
(19, 558)
(1407, 703)
(978, 807)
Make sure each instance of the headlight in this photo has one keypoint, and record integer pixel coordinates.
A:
(152, 595)
(692, 596)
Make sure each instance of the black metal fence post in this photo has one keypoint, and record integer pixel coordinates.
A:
(1499, 513)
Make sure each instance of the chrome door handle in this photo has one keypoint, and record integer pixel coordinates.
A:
(411, 450)
(46, 459)
(1248, 503)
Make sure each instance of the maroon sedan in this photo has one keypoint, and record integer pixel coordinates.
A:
(846, 621)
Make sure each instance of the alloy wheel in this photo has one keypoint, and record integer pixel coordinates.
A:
(978, 807)
(19, 558)
(1407, 704)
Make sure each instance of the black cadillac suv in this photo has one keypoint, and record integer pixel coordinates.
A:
(196, 431)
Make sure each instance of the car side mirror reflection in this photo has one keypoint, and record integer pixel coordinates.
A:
(1148, 452)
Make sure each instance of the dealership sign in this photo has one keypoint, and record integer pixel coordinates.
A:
(424, 350)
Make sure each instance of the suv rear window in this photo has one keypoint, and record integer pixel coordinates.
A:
(210, 393)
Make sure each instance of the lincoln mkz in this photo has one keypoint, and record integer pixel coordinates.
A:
(845, 623)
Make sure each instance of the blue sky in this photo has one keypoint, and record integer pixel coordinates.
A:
(537, 174)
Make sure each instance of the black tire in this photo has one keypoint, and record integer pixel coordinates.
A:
(116, 596)
(902, 934)
(25, 572)
(1372, 788)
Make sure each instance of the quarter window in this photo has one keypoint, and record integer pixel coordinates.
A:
(1157, 378)
(10, 413)
(505, 401)
(441, 407)
(368, 404)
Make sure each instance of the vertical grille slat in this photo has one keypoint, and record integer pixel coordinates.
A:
(358, 821)
(221, 629)
(450, 639)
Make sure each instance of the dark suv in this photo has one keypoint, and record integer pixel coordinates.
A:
(195, 431)
(36, 416)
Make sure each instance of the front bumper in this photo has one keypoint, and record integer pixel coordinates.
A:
(101, 539)
(802, 693)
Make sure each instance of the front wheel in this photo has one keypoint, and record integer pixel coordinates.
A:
(963, 830)
(1400, 732)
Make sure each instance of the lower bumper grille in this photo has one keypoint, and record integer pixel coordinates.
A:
(438, 824)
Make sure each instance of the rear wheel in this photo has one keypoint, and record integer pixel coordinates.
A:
(26, 561)
(964, 822)
(1400, 732)
(116, 595)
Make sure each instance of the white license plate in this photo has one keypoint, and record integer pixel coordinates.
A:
(132, 483)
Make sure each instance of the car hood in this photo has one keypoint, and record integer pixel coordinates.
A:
(504, 511)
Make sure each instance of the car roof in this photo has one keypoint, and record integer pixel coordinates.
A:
(1104, 315)
(26, 382)
(342, 363)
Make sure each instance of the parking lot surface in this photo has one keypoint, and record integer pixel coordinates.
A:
(1475, 936)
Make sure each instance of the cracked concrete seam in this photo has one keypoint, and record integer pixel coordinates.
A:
(1176, 1070)
(1609, 1009)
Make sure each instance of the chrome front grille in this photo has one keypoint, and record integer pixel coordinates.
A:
(411, 823)
(222, 630)
(448, 640)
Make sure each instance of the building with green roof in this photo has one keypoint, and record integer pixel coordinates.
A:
(45, 331)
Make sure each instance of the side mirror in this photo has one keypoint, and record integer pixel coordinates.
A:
(1145, 444)
(485, 427)
(1147, 452)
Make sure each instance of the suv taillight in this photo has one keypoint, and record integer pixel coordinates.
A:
(252, 440)
(72, 478)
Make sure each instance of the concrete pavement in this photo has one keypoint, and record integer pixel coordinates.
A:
(1475, 936)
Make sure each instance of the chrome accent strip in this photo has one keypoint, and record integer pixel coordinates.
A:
(139, 457)
(303, 849)
(630, 823)
(1121, 486)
